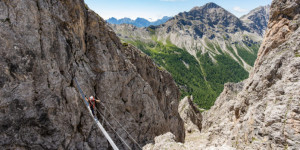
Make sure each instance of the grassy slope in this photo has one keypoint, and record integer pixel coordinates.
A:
(191, 79)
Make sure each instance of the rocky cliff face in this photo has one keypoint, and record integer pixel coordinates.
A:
(44, 46)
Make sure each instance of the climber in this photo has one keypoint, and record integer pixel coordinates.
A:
(92, 101)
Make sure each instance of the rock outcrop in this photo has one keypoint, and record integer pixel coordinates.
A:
(192, 123)
(165, 141)
(44, 45)
(190, 115)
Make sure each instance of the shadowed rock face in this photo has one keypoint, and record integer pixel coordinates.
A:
(44, 45)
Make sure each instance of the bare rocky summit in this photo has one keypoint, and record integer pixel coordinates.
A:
(44, 45)
(211, 29)
(257, 19)
(262, 112)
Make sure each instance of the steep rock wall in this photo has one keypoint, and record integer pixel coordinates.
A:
(46, 44)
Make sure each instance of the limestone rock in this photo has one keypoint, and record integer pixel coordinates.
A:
(165, 141)
(190, 115)
(44, 45)
(162, 86)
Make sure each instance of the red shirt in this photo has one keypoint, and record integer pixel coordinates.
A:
(92, 102)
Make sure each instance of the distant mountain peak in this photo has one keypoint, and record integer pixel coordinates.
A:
(210, 14)
(211, 5)
(257, 19)
(207, 6)
(112, 18)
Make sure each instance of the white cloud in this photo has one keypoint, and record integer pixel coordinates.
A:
(239, 9)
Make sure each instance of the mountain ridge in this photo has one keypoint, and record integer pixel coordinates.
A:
(138, 22)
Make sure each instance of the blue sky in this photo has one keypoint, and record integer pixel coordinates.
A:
(155, 9)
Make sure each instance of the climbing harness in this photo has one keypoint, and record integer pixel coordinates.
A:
(103, 117)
